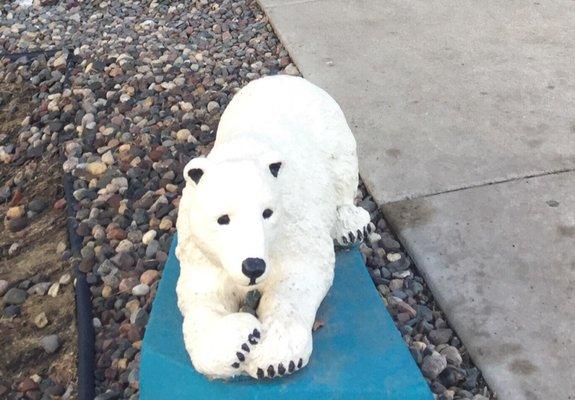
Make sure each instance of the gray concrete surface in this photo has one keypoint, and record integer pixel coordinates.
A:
(442, 94)
(466, 109)
(501, 262)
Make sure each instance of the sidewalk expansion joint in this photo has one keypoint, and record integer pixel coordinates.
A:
(497, 182)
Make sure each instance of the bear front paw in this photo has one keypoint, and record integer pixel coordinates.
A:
(252, 339)
(280, 370)
(221, 349)
(284, 349)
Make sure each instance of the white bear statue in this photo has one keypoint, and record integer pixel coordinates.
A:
(262, 211)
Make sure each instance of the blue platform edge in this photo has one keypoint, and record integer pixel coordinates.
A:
(358, 353)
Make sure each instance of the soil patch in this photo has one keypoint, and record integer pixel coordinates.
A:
(33, 259)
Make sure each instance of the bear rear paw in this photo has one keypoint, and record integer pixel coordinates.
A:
(352, 225)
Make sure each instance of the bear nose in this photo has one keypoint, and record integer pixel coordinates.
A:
(253, 268)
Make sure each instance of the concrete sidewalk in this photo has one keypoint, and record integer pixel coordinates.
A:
(464, 117)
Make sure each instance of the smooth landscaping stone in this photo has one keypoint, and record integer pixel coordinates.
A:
(16, 224)
(50, 343)
(41, 320)
(11, 311)
(504, 272)
(38, 205)
(15, 296)
(445, 94)
(440, 336)
(433, 365)
(140, 290)
(40, 288)
(15, 212)
(451, 355)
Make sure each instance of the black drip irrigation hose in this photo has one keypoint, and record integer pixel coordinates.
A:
(32, 54)
(70, 61)
(84, 324)
(84, 316)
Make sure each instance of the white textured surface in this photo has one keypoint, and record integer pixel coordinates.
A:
(276, 119)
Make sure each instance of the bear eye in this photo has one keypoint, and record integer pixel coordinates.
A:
(267, 213)
(224, 219)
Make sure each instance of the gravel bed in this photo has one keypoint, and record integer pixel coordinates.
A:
(149, 83)
(37, 330)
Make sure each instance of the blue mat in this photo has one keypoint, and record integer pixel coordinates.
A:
(358, 354)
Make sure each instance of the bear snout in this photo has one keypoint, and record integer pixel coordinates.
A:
(253, 268)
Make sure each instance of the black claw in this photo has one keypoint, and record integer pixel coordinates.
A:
(370, 227)
(351, 237)
(299, 363)
(236, 365)
(245, 348)
(359, 235)
(281, 369)
(260, 373)
(365, 233)
(344, 240)
(254, 336)
(291, 366)
(271, 371)
(240, 356)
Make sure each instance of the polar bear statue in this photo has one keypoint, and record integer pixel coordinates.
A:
(262, 211)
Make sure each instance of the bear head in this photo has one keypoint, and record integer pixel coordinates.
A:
(232, 212)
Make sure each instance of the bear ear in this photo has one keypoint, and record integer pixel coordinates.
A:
(273, 162)
(195, 174)
(194, 170)
(275, 168)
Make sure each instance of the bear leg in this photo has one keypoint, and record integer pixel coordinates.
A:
(352, 225)
(287, 312)
(221, 345)
(286, 347)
